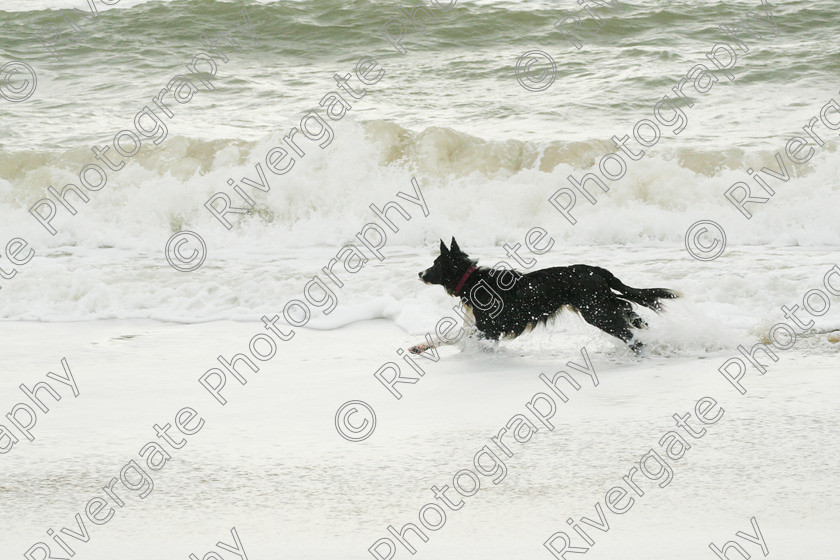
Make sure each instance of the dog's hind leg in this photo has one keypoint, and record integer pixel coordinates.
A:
(613, 316)
(635, 320)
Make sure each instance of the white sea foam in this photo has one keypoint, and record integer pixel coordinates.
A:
(107, 260)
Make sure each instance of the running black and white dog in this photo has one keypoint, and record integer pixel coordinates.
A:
(506, 303)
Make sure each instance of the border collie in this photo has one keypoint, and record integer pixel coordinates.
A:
(507, 303)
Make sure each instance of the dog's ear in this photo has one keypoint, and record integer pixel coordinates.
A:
(454, 246)
(443, 249)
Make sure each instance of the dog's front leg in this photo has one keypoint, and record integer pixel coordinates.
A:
(423, 346)
(470, 331)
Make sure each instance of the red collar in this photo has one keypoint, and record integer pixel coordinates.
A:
(463, 279)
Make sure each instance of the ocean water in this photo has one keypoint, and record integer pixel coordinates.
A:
(453, 125)
(486, 152)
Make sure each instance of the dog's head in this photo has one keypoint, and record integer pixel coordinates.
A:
(448, 268)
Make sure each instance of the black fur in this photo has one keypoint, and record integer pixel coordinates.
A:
(506, 304)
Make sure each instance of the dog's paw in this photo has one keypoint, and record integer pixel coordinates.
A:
(419, 349)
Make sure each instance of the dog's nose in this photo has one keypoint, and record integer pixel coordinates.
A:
(420, 275)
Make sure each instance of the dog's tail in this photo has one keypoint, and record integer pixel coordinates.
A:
(648, 297)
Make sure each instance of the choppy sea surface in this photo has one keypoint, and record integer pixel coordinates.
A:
(486, 152)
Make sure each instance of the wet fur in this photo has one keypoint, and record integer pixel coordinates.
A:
(534, 298)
